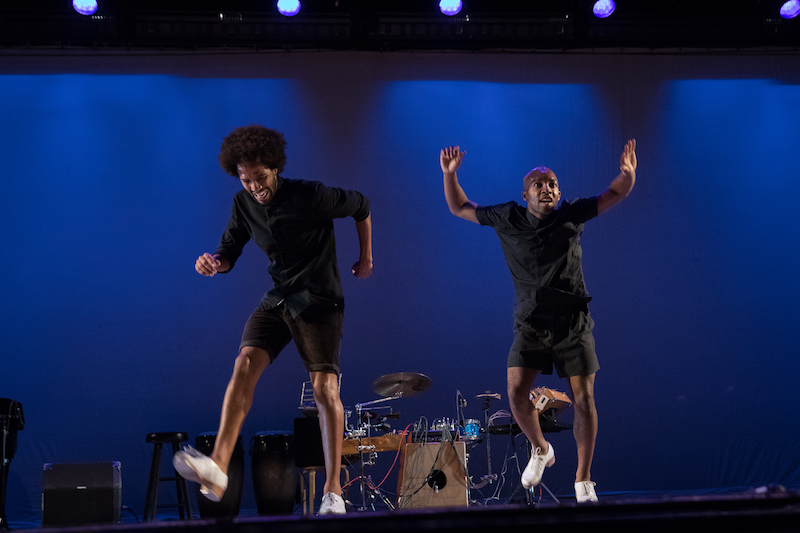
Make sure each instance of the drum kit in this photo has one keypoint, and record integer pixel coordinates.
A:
(371, 432)
(359, 439)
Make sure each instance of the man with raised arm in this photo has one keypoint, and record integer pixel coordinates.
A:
(552, 325)
(292, 222)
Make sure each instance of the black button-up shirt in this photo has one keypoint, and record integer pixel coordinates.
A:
(544, 256)
(296, 232)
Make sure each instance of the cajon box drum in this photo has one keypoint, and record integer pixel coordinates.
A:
(433, 475)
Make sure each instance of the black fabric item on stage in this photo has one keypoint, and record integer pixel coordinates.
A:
(308, 442)
(82, 494)
(272, 455)
(231, 502)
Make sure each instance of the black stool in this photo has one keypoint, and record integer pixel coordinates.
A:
(151, 503)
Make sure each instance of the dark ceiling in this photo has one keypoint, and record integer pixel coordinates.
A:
(399, 25)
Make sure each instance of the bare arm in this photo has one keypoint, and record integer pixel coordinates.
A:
(363, 267)
(450, 159)
(208, 264)
(622, 185)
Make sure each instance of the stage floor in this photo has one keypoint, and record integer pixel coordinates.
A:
(737, 513)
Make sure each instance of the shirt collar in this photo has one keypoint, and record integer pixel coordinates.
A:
(279, 183)
(534, 221)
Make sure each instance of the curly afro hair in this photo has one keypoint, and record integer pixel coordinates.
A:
(252, 144)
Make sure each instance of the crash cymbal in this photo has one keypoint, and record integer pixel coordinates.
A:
(401, 384)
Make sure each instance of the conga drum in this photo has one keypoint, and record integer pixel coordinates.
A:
(229, 505)
(274, 472)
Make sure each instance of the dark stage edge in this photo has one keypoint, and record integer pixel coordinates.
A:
(746, 513)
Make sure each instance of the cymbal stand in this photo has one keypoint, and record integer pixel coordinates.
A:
(365, 481)
(489, 477)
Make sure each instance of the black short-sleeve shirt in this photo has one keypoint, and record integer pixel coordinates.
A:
(296, 232)
(544, 256)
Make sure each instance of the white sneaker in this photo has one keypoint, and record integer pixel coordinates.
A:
(332, 503)
(199, 468)
(532, 475)
(584, 491)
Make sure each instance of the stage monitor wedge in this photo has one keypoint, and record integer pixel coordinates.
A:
(81, 494)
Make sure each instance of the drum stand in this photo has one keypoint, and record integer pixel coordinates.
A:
(489, 477)
(368, 491)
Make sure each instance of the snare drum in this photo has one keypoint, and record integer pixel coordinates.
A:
(471, 429)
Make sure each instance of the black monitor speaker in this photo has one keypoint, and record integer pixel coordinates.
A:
(82, 494)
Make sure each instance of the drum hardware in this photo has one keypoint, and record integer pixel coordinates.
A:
(371, 415)
(487, 397)
(391, 387)
(356, 433)
(366, 416)
(379, 422)
(362, 434)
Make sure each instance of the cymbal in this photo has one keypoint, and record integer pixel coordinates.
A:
(488, 395)
(401, 384)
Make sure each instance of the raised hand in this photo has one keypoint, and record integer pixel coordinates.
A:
(627, 161)
(450, 158)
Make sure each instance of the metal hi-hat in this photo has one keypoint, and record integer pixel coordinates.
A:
(401, 384)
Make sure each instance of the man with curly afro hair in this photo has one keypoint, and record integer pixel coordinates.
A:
(292, 222)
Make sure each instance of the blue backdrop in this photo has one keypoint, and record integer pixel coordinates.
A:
(111, 189)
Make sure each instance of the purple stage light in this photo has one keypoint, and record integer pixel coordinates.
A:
(790, 9)
(450, 7)
(85, 7)
(289, 8)
(603, 8)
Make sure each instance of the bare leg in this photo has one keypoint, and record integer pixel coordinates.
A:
(519, 382)
(250, 364)
(331, 424)
(585, 423)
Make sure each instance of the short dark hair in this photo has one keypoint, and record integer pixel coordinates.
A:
(252, 144)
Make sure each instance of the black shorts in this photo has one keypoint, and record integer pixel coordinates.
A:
(562, 340)
(317, 333)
